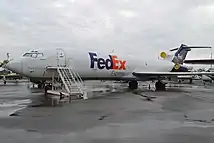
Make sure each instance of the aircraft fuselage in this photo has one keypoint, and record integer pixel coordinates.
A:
(89, 64)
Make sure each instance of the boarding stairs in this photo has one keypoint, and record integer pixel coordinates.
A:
(72, 81)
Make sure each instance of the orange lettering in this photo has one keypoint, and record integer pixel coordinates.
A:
(122, 65)
(115, 62)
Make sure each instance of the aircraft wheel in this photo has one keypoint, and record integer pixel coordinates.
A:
(133, 85)
(160, 86)
(47, 87)
(190, 81)
(41, 85)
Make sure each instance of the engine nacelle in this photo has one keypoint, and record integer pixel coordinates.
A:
(179, 68)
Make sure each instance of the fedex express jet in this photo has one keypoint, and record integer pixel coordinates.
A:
(38, 65)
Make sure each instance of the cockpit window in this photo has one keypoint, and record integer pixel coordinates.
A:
(27, 55)
(39, 55)
(33, 55)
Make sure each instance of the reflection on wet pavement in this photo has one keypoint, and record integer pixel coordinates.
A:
(182, 114)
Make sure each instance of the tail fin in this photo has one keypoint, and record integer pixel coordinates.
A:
(182, 52)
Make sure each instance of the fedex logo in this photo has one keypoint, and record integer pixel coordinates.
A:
(110, 63)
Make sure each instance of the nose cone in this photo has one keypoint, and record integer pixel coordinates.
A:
(15, 66)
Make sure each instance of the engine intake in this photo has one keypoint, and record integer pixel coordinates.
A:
(179, 68)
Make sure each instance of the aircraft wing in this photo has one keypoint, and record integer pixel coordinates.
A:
(168, 74)
(201, 61)
(11, 76)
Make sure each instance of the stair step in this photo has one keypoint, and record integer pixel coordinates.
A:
(71, 80)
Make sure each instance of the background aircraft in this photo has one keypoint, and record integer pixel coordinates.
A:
(7, 74)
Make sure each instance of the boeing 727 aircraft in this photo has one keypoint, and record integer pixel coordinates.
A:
(38, 65)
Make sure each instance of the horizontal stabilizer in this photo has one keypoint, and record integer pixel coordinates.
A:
(192, 47)
(181, 52)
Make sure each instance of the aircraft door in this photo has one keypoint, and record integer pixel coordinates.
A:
(61, 58)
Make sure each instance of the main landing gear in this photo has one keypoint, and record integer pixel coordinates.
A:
(160, 86)
(40, 85)
(133, 84)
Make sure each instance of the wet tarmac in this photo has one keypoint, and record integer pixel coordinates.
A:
(182, 114)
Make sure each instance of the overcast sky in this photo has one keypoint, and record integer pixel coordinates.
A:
(142, 27)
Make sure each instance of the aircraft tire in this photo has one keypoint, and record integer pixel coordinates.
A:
(160, 86)
(40, 85)
(190, 81)
(133, 85)
(47, 87)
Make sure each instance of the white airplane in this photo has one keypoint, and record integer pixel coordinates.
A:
(93, 65)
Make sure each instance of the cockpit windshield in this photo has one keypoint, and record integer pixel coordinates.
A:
(33, 54)
(27, 55)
